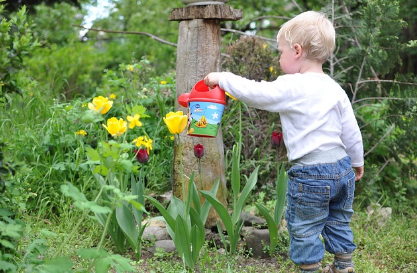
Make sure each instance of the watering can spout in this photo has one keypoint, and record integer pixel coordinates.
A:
(183, 99)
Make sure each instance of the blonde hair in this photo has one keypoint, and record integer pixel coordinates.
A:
(313, 31)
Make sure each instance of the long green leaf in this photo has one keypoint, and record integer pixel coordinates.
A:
(281, 190)
(168, 218)
(127, 223)
(195, 197)
(219, 228)
(195, 243)
(272, 227)
(182, 241)
(221, 210)
(138, 190)
(200, 236)
(205, 209)
(189, 195)
(244, 195)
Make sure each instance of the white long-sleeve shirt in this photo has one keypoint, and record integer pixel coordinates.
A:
(316, 114)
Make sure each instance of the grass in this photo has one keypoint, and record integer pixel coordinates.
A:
(389, 247)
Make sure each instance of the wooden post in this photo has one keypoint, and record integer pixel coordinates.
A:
(198, 54)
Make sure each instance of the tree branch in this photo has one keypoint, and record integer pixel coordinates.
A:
(129, 32)
(243, 33)
(380, 140)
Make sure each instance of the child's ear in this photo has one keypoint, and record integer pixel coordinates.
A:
(298, 50)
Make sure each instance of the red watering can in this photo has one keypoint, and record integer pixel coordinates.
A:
(205, 109)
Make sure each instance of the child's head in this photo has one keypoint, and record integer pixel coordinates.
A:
(313, 32)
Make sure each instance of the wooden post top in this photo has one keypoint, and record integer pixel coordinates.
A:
(218, 12)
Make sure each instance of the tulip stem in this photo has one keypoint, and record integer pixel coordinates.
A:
(199, 170)
(182, 169)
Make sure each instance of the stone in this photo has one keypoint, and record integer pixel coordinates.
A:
(381, 214)
(155, 233)
(166, 245)
(256, 240)
(252, 220)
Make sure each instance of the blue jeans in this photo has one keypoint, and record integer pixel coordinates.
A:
(319, 201)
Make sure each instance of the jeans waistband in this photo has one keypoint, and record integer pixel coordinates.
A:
(329, 156)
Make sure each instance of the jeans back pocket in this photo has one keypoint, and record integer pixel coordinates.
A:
(312, 201)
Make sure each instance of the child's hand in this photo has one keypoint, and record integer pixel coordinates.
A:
(212, 79)
(358, 172)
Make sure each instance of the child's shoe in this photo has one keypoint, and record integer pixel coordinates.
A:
(331, 268)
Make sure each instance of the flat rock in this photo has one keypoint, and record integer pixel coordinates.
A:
(166, 245)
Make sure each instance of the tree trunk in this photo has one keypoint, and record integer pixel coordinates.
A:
(198, 54)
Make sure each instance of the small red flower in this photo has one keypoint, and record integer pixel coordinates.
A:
(276, 139)
(199, 151)
(142, 155)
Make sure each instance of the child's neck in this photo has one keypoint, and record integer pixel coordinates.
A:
(311, 66)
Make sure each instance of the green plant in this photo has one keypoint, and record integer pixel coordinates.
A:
(185, 218)
(185, 222)
(274, 222)
(16, 42)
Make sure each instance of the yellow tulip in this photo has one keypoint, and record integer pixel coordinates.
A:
(134, 121)
(176, 122)
(100, 105)
(116, 127)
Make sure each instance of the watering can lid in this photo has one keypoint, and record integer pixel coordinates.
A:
(201, 92)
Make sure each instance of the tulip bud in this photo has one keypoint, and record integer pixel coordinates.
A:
(142, 155)
(276, 139)
(199, 151)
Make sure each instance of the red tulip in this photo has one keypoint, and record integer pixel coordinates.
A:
(199, 151)
(276, 138)
(142, 155)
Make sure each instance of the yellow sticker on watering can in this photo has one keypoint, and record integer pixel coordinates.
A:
(204, 118)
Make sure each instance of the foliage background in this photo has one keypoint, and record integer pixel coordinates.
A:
(48, 72)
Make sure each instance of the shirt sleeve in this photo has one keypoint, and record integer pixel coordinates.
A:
(269, 95)
(351, 136)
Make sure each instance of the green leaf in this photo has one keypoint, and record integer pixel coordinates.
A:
(48, 233)
(7, 244)
(168, 218)
(122, 264)
(57, 265)
(126, 165)
(196, 197)
(221, 210)
(272, 227)
(70, 190)
(90, 253)
(205, 209)
(138, 190)
(103, 265)
(281, 191)
(88, 116)
(94, 207)
(7, 267)
(189, 194)
(182, 241)
(139, 109)
(92, 154)
(127, 223)
(138, 206)
(244, 195)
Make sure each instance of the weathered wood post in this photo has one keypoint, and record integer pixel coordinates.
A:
(198, 54)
